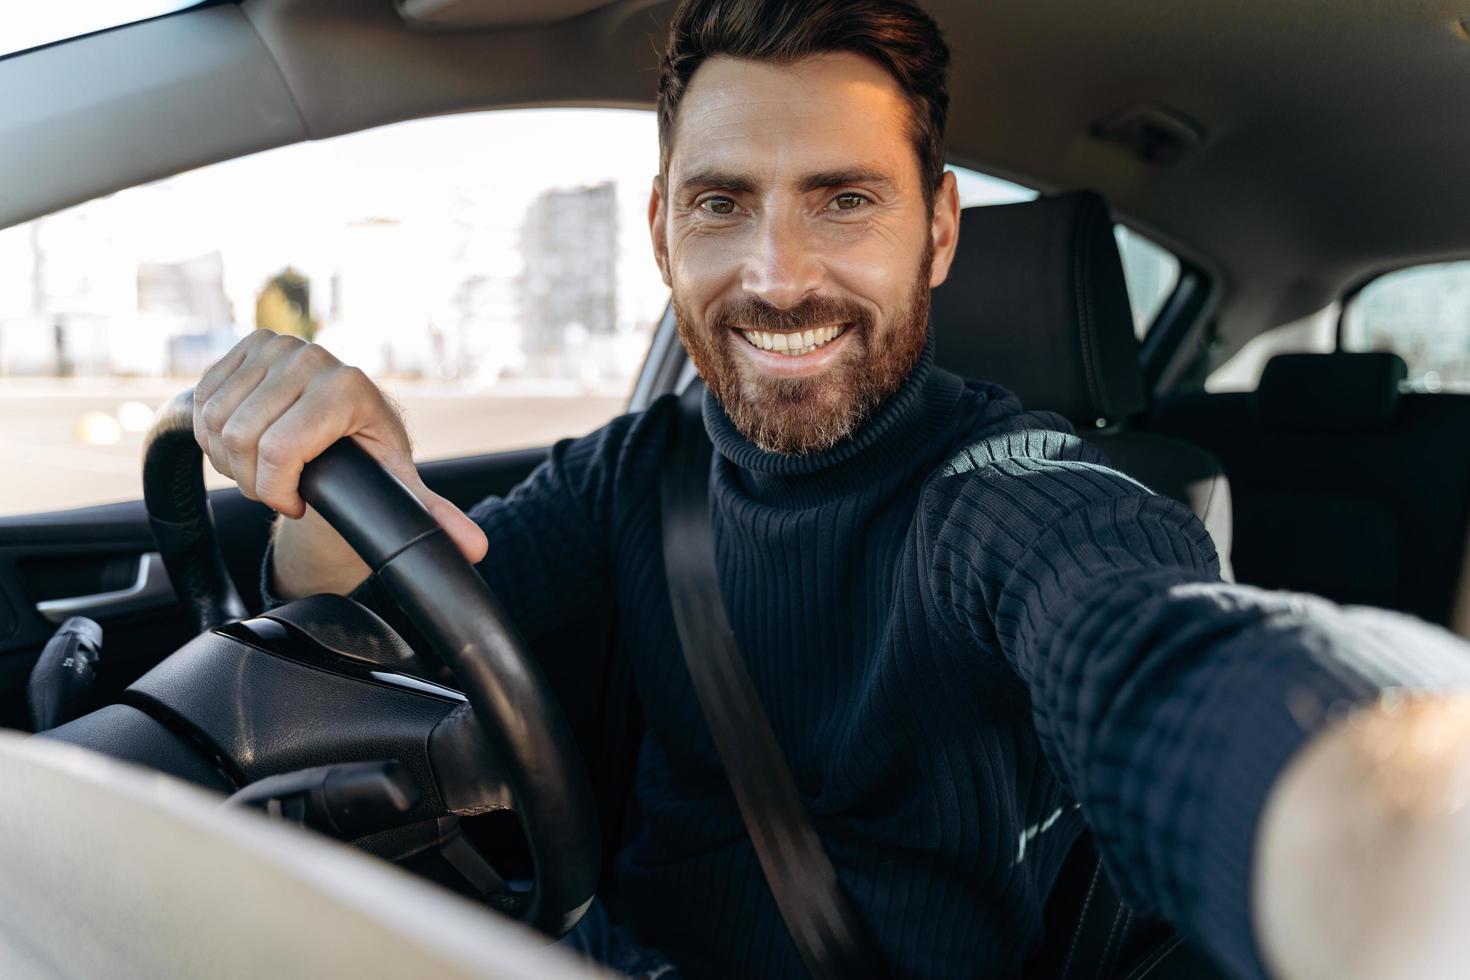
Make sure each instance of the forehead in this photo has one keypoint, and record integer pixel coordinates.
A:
(769, 120)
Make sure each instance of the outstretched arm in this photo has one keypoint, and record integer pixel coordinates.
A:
(1177, 708)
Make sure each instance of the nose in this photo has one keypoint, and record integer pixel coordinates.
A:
(782, 265)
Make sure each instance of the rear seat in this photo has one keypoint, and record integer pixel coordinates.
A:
(1342, 486)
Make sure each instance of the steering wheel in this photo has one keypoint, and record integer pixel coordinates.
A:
(446, 599)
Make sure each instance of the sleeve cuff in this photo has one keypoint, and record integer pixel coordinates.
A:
(1268, 735)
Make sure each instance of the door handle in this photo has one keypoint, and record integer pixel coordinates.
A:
(150, 590)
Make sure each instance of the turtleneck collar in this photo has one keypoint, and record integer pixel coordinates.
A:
(901, 435)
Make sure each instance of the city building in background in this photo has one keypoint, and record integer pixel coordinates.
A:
(568, 282)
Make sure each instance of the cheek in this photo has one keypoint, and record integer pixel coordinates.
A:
(700, 269)
(880, 260)
(877, 274)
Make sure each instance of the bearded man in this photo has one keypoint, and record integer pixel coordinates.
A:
(960, 620)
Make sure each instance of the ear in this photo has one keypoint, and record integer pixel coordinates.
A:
(658, 230)
(944, 228)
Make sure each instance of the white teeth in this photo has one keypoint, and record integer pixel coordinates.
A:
(800, 342)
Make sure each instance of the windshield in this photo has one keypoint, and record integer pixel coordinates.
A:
(32, 25)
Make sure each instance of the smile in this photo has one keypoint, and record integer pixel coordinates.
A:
(796, 343)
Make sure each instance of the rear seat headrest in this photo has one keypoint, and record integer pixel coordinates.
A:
(1036, 301)
(1338, 392)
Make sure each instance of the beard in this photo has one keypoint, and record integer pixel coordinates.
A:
(796, 416)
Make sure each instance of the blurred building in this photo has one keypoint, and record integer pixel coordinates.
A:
(568, 287)
(183, 305)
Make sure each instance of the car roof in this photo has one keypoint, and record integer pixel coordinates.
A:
(1329, 138)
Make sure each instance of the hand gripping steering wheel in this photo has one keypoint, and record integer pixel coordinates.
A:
(447, 600)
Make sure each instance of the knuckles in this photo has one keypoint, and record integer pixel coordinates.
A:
(237, 437)
(273, 452)
(314, 355)
(214, 415)
(350, 380)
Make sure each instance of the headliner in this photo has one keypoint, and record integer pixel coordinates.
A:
(1336, 142)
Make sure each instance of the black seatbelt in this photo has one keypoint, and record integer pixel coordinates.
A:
(829, 935)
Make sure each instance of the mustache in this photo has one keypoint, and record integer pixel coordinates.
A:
(753, 313)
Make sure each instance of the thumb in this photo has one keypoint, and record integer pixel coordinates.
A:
(461, 530)
(465, 533)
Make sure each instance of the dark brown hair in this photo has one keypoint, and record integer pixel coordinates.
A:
(895, 33)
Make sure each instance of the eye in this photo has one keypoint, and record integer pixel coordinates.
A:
(850, 201)
(718, 205)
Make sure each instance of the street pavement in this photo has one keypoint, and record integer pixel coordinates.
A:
(70, 444)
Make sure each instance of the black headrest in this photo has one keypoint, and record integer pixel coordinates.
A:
(1036, 301)
(1330, 391)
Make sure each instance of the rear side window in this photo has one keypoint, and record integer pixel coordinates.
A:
(1152, 273)
(1421, 314)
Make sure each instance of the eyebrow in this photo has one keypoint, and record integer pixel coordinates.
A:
(841, 178)
(708, 180)
(716, 180)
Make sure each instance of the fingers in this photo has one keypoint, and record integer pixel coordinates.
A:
(223, 368)
(217, 374)
(228, 444)
(282, 383)
(329, 408)
(228, 383)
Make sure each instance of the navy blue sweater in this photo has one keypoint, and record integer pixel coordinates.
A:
(964, 625)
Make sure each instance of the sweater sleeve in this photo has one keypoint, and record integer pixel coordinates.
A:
(1166, 700)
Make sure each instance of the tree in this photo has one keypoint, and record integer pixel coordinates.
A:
(284, 305)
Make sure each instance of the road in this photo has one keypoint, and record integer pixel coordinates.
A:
(71, 444)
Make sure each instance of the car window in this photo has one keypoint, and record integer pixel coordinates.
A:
(1423, 315)
(492, 270)
(1150, 270)
(1152, 273)
(1312, 334)
(977, 189)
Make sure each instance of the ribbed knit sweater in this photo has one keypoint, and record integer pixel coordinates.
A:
(964, 626)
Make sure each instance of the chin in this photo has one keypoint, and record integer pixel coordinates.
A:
(795, 416)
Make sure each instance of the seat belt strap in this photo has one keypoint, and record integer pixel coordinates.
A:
(832, 940)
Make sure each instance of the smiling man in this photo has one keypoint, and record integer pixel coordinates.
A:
(960, 620)
(801, 230)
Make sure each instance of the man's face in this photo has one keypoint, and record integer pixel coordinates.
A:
(792, 228)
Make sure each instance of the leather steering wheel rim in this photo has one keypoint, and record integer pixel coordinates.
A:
(450, 603)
